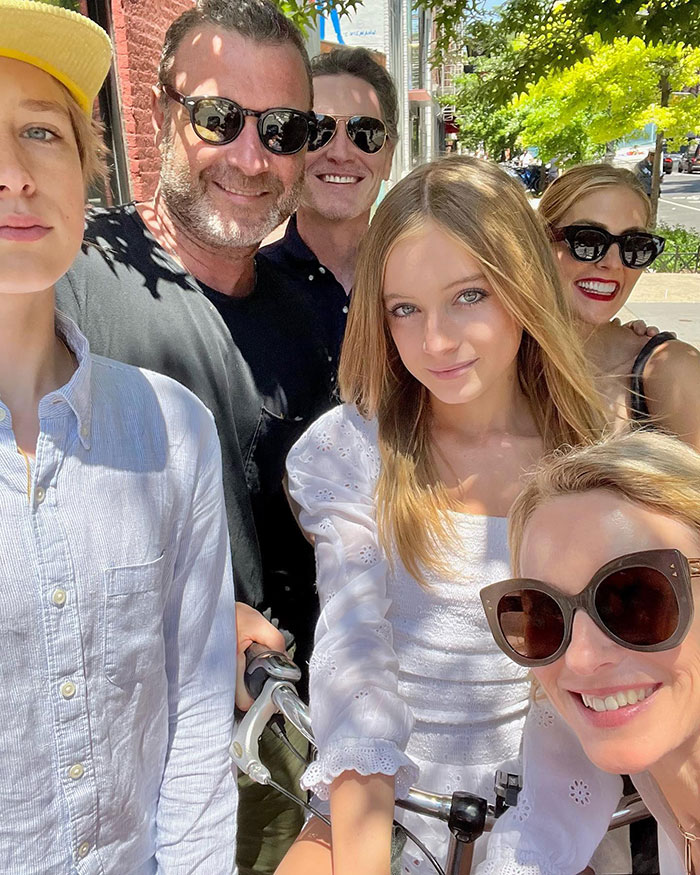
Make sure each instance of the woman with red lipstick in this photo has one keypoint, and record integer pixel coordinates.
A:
(458, 371)
(598, 218)
(606, 623)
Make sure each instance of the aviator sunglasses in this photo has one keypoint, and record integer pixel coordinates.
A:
(642, 601)
(367, 133)
(218, 120)
(590, 243)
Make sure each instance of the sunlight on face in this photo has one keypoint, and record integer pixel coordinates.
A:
(566, 541)
(42, 191)
(361, 174)
(233, 194)
(450, 328)
(597, 290)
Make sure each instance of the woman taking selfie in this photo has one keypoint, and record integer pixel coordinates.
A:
(598, 218)
(117, 617)
(458, 372)
(605, 620)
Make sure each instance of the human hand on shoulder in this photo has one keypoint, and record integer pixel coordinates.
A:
(640, 328)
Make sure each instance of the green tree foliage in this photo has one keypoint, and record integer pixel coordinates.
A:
(74, 5)
(483, 121)
(614, 90)
(305, 14)
(537, 42)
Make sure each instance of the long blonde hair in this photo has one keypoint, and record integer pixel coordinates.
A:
(649, 468)
(487, 212)
(579, 181)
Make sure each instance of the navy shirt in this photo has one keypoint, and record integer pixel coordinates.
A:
(259, 363)
(314, 283)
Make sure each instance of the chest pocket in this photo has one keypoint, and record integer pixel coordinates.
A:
(134, 646)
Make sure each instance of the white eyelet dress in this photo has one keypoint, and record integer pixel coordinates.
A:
(407, 680)
(404, 680)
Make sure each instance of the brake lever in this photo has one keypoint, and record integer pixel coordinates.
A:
(245, 749)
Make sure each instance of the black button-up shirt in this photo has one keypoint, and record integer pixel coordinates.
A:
(315, 283)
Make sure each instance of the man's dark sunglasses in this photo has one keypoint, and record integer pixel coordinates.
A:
(590, 243)
(642, 601)
(218, 120)
(367, 133)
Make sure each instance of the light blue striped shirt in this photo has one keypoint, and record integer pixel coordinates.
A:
(117, 627)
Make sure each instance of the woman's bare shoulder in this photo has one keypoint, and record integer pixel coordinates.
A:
(618, 349)
(672, 389)
(672, 363)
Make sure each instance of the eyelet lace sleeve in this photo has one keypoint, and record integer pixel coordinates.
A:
(563, 810)
(360, 722)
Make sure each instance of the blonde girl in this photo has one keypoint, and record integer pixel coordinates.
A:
(459, 370)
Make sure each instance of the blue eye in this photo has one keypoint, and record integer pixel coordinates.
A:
(41, 134)
(471, 296)
(401, 311)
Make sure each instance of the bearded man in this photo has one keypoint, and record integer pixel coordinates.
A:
(174, 285)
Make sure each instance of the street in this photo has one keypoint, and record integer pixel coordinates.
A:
(680, 200)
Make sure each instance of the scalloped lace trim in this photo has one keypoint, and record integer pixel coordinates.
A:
(365, 756)
(502, 861)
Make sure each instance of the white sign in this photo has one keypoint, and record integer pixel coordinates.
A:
(365, 27)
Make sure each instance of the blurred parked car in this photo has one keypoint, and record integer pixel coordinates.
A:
(690, 161)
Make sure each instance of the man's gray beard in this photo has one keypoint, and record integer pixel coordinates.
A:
(187, 202)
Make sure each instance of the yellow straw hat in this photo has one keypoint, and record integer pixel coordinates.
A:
(67, 45)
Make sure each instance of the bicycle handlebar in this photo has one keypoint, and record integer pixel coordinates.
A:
(277, 695)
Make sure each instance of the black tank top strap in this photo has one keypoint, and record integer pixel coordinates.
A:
(639, 410)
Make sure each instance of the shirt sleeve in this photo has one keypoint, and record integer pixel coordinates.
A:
(196, 818)
(563, 809)
(360, 721)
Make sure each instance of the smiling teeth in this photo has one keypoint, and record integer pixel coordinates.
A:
(619, 700)
(600, 288)
(343, 180)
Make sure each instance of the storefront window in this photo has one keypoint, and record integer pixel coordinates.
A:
(116, 189)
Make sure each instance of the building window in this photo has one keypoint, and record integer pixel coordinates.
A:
(116, 188)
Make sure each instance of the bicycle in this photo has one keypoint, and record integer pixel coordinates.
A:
(270, 679)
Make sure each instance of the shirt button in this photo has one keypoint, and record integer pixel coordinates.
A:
(3, 414)
(311, 276)
(83, 850)
(68, 690)
(39, 494)
(76, 772)
(330, 358)
(58, 597)
(322, 270)
(345, 309)
(84, 431)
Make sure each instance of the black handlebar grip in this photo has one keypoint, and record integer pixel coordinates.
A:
(254, 678)
(467, 817)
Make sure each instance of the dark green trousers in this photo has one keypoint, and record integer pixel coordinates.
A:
(268, 822)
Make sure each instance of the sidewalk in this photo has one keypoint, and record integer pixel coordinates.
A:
(670, 301)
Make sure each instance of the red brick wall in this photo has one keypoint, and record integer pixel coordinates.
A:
(139, 28)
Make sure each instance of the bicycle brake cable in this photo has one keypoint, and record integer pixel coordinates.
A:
(299, 801)
(277, 729)
(409, 835)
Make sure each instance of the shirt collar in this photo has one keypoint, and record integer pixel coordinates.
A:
(294, 245)
(77, 392)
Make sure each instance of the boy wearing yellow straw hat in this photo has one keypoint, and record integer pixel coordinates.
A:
(117, 612)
